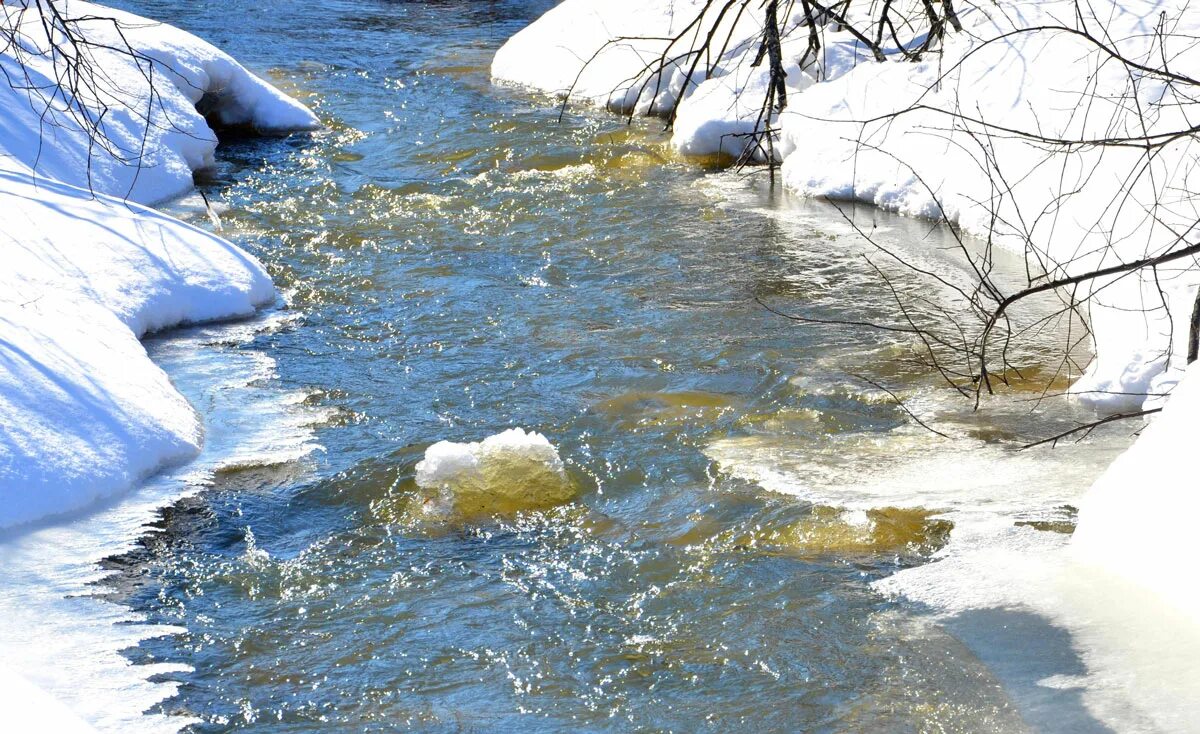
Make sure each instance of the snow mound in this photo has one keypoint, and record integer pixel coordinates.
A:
(600, 52)
(53, 581)
(1147, 503)
(504, 474)
(83, 412)
(143, 83)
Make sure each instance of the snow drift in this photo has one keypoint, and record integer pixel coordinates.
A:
(83, 411)
(129, 127)
(1128, 536)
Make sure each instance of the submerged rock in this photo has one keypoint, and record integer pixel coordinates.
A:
(832, 530)
(502, 475)
(878, 530)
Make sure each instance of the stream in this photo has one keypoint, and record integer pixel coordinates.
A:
(455, 261)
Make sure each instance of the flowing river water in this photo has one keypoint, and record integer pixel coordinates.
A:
(456, 261)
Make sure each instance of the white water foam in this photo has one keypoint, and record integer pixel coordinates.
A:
(55, 632)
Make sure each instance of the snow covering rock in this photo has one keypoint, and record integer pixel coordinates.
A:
(148, 79)
(503, 474)
(83, 412)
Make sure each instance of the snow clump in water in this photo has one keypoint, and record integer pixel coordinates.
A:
(502, 475)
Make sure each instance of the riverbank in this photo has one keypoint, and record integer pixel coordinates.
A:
(90, 271)
(461, 264)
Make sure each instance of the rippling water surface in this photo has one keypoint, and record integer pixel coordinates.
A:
(457, 262)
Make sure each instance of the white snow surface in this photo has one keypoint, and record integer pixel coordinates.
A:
(605, 54)
(83, 412)
(1147, 503)
(1054, 84)
(57, 631)
(148, 79)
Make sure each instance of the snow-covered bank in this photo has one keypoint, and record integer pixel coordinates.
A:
(607, 54)
(139, 83)
(942, 143)
(1008, 583)
(84, 412)
(897, 135)
(59, 632)
(42, 711)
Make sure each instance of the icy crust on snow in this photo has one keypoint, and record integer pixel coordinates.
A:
(1130, 660)
(146, 81)
(504, 474)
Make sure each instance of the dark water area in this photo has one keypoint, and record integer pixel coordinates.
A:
(457, 262)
